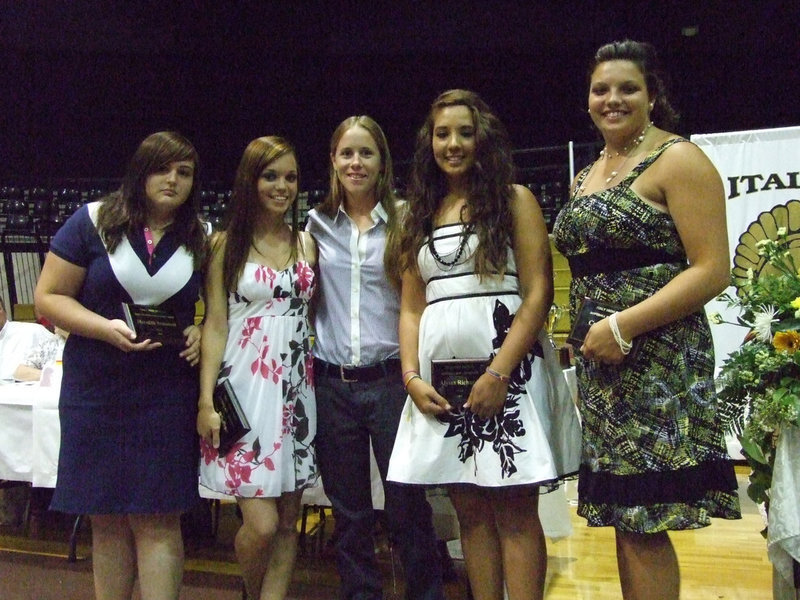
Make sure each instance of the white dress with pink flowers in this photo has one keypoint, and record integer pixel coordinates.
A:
(268, 362)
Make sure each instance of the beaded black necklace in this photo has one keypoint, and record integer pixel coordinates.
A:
(459, 251)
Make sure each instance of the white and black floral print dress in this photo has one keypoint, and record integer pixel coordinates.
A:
(268, 362)
(535, 440)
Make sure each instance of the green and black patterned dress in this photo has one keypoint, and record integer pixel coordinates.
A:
(654, 456)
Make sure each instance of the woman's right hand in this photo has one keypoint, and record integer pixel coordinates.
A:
(208, 424)
(426, 398)
(119, 335)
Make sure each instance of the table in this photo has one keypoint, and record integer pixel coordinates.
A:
(30, 432)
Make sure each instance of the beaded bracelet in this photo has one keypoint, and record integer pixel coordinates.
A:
(410, 379)
(496, 375)
(624, 346)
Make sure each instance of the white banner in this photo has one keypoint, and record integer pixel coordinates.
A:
(760, 170)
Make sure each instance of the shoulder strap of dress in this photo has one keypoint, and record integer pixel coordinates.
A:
(93, 208)
(302, 239)
(582, 175)
(650, 159)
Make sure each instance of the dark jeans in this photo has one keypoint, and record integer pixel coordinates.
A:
(348, 415)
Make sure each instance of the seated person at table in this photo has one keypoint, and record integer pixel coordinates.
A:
(16, 340)
(38, 357)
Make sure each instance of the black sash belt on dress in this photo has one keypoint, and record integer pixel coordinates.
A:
(618, 259)
(355, 374)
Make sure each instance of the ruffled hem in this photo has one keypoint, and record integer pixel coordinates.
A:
(252, 491)
(662, 517)
(545, 486)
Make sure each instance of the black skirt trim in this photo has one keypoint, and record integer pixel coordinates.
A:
(512, 274)
(682, 486)
(463, 296)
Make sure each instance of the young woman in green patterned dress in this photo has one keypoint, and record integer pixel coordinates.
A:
(645, 231)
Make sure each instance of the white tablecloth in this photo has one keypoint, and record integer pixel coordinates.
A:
(30, 434)
(783, 544)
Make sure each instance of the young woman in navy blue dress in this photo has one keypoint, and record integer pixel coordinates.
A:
(129, 450)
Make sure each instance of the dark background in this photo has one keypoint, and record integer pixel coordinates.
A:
(84, 82)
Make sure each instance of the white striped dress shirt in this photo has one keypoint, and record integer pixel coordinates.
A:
(357, 308)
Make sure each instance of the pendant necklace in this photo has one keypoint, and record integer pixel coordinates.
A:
(626, 151)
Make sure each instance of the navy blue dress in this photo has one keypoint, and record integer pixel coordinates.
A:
(128, 439)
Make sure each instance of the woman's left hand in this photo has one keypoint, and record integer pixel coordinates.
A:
(600, 345)
(488, 396)
(192, 351)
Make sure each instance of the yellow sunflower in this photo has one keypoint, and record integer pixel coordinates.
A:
(786, 341)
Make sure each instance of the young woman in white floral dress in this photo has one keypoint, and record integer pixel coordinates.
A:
(259, 284)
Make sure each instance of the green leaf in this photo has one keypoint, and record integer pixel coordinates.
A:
(790, 324)
(779, 393)
(752, 450)
(757, 493)
(761, 476)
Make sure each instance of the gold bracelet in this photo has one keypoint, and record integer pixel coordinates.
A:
(410, 379)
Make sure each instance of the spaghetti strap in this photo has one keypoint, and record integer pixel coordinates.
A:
(303, 245)
(649, 160)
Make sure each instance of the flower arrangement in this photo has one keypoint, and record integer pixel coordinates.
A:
(760, 392)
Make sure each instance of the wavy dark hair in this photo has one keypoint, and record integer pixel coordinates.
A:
(124, 212)
(489, 193)
(644, 56)
(384, 190)
(244, 207)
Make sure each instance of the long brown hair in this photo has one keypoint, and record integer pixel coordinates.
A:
(489, 193)
(384, 191)
(244, 207)
(124, 212)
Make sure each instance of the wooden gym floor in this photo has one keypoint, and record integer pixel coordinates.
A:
(726, 561)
